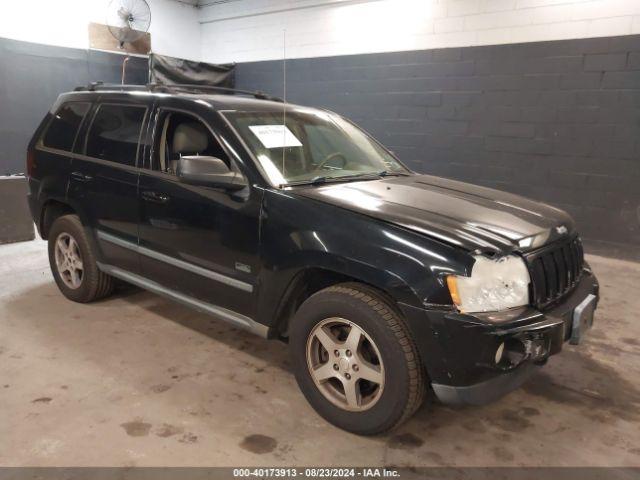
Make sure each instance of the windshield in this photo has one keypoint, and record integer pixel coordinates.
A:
(312, 146)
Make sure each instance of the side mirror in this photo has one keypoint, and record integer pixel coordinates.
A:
(209, 172)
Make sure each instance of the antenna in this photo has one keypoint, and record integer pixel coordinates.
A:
(284, 98)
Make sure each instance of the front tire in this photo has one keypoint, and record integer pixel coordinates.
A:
(73, 262)
(354, 359)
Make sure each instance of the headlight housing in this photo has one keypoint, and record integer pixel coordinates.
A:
(493, 285)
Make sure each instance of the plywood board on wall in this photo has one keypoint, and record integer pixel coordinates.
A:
(100, 38)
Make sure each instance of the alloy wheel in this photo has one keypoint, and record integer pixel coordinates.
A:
(69, 261)
(345, 364)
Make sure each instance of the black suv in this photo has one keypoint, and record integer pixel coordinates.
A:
(293, 223)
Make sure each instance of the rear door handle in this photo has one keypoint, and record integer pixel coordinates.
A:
(155, 197)
(81, 177)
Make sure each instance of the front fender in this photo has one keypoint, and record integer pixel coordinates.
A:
(298, 233)
(277, 284)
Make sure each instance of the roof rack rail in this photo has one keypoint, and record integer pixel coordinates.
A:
(95, 86)
(152, 87)
(212, 88)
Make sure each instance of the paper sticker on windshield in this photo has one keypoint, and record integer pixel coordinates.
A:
(275, 136)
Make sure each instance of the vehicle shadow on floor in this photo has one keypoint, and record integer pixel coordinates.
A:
(272, 352)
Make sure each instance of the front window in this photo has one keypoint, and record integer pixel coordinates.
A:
(312, 146)
(181, 134)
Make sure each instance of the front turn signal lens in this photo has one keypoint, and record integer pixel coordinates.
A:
(452, 284)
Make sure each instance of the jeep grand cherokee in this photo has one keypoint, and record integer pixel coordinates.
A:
(295, 224)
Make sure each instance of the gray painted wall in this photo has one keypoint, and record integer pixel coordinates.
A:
(15, 220)
(31, 78)
(555, 121)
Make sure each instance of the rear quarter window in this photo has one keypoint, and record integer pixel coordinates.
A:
(115, 133)
(63, 128)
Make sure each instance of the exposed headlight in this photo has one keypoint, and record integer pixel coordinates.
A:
(493, 285)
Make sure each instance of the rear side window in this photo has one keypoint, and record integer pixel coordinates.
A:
(115, 133)
(64, 126)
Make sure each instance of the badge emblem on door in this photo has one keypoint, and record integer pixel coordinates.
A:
(243, 267)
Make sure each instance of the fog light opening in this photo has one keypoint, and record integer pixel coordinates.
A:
(499, 353)
(515, 352)
(538, 349)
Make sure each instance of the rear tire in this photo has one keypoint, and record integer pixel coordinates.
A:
(386, 355)
(73, 262)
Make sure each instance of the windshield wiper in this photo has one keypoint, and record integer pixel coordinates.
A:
(387, 173)
(310, 181)
(327, 179)
(319, 180)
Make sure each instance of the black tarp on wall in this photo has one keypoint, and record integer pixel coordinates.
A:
(171, 71)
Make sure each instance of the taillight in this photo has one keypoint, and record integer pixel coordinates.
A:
(31, 162)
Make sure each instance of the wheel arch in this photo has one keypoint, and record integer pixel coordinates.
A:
(51, 210)
(311, 279)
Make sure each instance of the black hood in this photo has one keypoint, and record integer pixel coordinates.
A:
(472, 217)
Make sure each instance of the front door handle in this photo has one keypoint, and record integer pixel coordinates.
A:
(81, 177)
(155, 197)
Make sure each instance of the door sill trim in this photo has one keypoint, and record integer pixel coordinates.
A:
(234, 318)
(161, 257)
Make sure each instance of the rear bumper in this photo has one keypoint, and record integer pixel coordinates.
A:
(459, 350)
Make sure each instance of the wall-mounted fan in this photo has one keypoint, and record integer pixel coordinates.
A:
(128, 20)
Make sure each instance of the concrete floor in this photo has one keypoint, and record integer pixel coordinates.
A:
(139, 380)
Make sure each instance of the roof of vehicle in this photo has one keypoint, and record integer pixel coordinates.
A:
(219, 98)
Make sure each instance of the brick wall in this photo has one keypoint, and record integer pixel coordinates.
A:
(252, 31)
(556, 121)
(31, 78)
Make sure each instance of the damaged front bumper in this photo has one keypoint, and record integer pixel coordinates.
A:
(477, 358)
